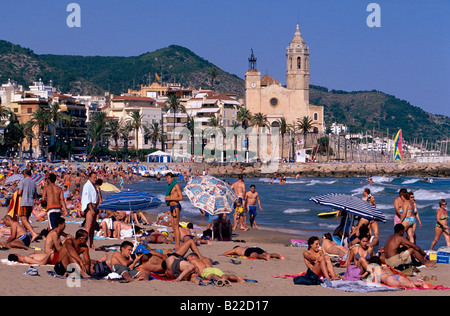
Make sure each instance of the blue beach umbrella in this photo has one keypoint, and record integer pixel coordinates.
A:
(14, 177)
(129, 201)
(351, 204)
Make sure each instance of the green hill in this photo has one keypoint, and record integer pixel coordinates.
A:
(360, 110)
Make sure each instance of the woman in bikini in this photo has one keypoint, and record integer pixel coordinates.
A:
(416, 214)
(317, 261)
(361, 254)
(329, 246)
(408, 217)
(441, 224)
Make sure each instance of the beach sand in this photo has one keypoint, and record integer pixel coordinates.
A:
(15, 283)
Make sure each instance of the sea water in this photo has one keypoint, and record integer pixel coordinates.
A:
(287, 207)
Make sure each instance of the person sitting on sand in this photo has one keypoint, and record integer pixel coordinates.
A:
(123, 264)
(317, 261)
(383, 275)
(396, 254)
(360, 254)
(252, 252)
(329, 246)
(19, 237)
(207, 271)
(53, 242)
(71, 253)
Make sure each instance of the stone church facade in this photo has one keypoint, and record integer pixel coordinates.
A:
(268, 96)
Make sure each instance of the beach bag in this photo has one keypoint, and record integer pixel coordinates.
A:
(101, 270)
(309, 278)
(352, 273)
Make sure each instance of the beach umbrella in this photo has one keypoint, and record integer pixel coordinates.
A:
(38, 178)
(130, 201)
(109, 187)
(210, 194)
(14, 177)
(351, 204)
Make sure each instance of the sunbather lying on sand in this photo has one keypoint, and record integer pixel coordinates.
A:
(252, 252)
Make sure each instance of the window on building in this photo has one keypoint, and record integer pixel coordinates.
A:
(299, 63)
(29, 110)
(316, 117)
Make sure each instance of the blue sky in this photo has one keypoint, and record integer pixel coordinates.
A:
(408, 56)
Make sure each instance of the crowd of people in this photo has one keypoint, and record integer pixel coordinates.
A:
(362, 254)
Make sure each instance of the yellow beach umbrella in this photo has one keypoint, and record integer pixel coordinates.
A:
(109, 187)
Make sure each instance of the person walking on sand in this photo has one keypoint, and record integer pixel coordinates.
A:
(28, 192)
(251, 198)
(398, 206)
(441, 224)
(56, 205)
(173, 198)
(239, 189)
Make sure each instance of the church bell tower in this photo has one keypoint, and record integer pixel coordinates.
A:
(297, 60)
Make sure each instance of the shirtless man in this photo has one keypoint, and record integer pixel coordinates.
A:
(39, 258)
(173, 198)
(251, 198)
(398, 206)
(54, 197)
(53, 242)
(123, 264)
(77, 182)
(317, 261)
(253, 252)
(207, 271)
(395, 255)
(19, 237)
(239, 189)
(71, 253)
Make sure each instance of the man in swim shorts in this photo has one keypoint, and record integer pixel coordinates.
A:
(123, 264)
(396, 256)
(251, 198)
(54, 197)
(19, 237)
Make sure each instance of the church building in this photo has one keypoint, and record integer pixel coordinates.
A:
(268, 96)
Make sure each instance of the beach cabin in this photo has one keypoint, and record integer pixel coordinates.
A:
(159, 156)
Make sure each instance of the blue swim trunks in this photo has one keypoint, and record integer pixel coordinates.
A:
(252, 210)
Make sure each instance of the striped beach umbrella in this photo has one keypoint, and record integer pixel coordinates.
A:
(351, 204)
(38, 178)
(129, 201)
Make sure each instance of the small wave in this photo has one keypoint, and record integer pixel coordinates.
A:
(410, 181)
(381, 179)
(423, 194)
(314, 182)
(296, 210)
(373, 190)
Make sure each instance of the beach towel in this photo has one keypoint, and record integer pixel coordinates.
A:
(169, 189)
(357, 286)
(88, 196)
(309, 278)
(431, 287)
(14, 206)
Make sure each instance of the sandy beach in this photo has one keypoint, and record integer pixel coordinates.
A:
(16, 283)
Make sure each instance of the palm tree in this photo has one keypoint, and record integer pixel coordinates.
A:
(174, 105)
(125, 134)
(214, 122)
(190, 125)
(67, 122)
(136, 124)
(97, 129)
(41, 118)
(56, 117)
(244, 116)
(259, 120)
(284, 128)
(154, 133)
(305, 125)
(114, 127)
(213, 74)
(28, 132)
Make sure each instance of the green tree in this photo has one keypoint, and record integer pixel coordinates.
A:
(259, 120)
(42, 119)
(114, 127)
(305, 125)
(174, 105)
(284, 128)
(136, 124)
(97, 129)
(212, 73)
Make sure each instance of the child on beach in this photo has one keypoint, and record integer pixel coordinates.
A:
(238, 216)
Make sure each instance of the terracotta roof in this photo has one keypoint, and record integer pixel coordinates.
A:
(268, 80)
(134, 98)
